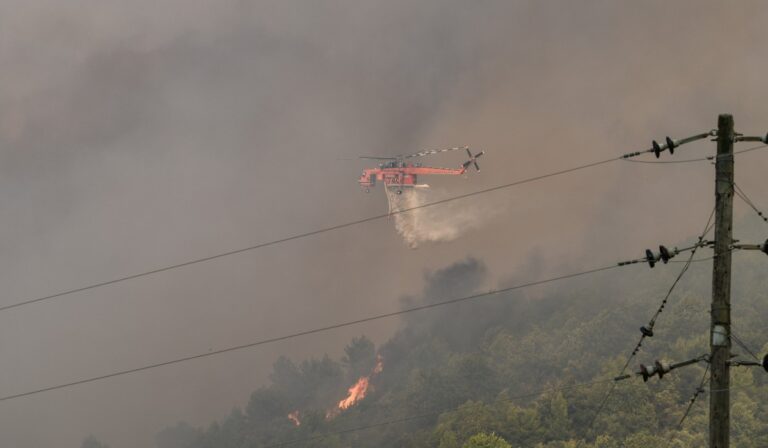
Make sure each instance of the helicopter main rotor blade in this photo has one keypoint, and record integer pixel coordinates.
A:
(424, 153)
(432, 151)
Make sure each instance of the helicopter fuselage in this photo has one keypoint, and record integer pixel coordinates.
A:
(402, 175)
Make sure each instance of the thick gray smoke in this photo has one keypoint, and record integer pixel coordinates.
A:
(422, 224)
(135, 135)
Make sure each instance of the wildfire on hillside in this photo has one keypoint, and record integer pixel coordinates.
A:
(357, 391)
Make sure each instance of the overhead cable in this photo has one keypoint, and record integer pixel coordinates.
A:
(298, 236)
(741, 344)
(656, 148)
(647, 331)
(699, 391)
(740, 193)
(698, 159)
(305, 333)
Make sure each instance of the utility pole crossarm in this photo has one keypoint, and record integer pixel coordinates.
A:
(761, 247)
(694, 138)
(746, 138)
(763, 363)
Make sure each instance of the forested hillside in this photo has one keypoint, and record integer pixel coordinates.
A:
(522, 369)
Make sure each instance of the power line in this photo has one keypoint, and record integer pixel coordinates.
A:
(698, 159)
(740, 193)
(429, 414)
(657, 162)
(660, 309)
(298, 236)
(648, 331)
(754, 148)
(307, 332)
(698, 260)
(699, 391)
(303, 235)
(743, 345)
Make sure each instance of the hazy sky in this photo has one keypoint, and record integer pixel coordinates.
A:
(144, 133)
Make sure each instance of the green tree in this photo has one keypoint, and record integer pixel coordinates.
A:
(605, 441)
(553, 409)
(522, 426)
(483, 440)
(643, 439)
(469, 419)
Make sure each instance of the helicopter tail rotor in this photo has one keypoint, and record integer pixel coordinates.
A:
(472, 159)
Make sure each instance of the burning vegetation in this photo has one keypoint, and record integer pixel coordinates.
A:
(357, 391)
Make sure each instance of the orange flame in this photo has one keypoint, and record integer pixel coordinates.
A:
(356, 393)
(294, 417)
(360, 389)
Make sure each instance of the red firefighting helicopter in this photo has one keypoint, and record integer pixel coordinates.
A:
(396, 173)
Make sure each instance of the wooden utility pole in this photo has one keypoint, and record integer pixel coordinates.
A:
(720, 331)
